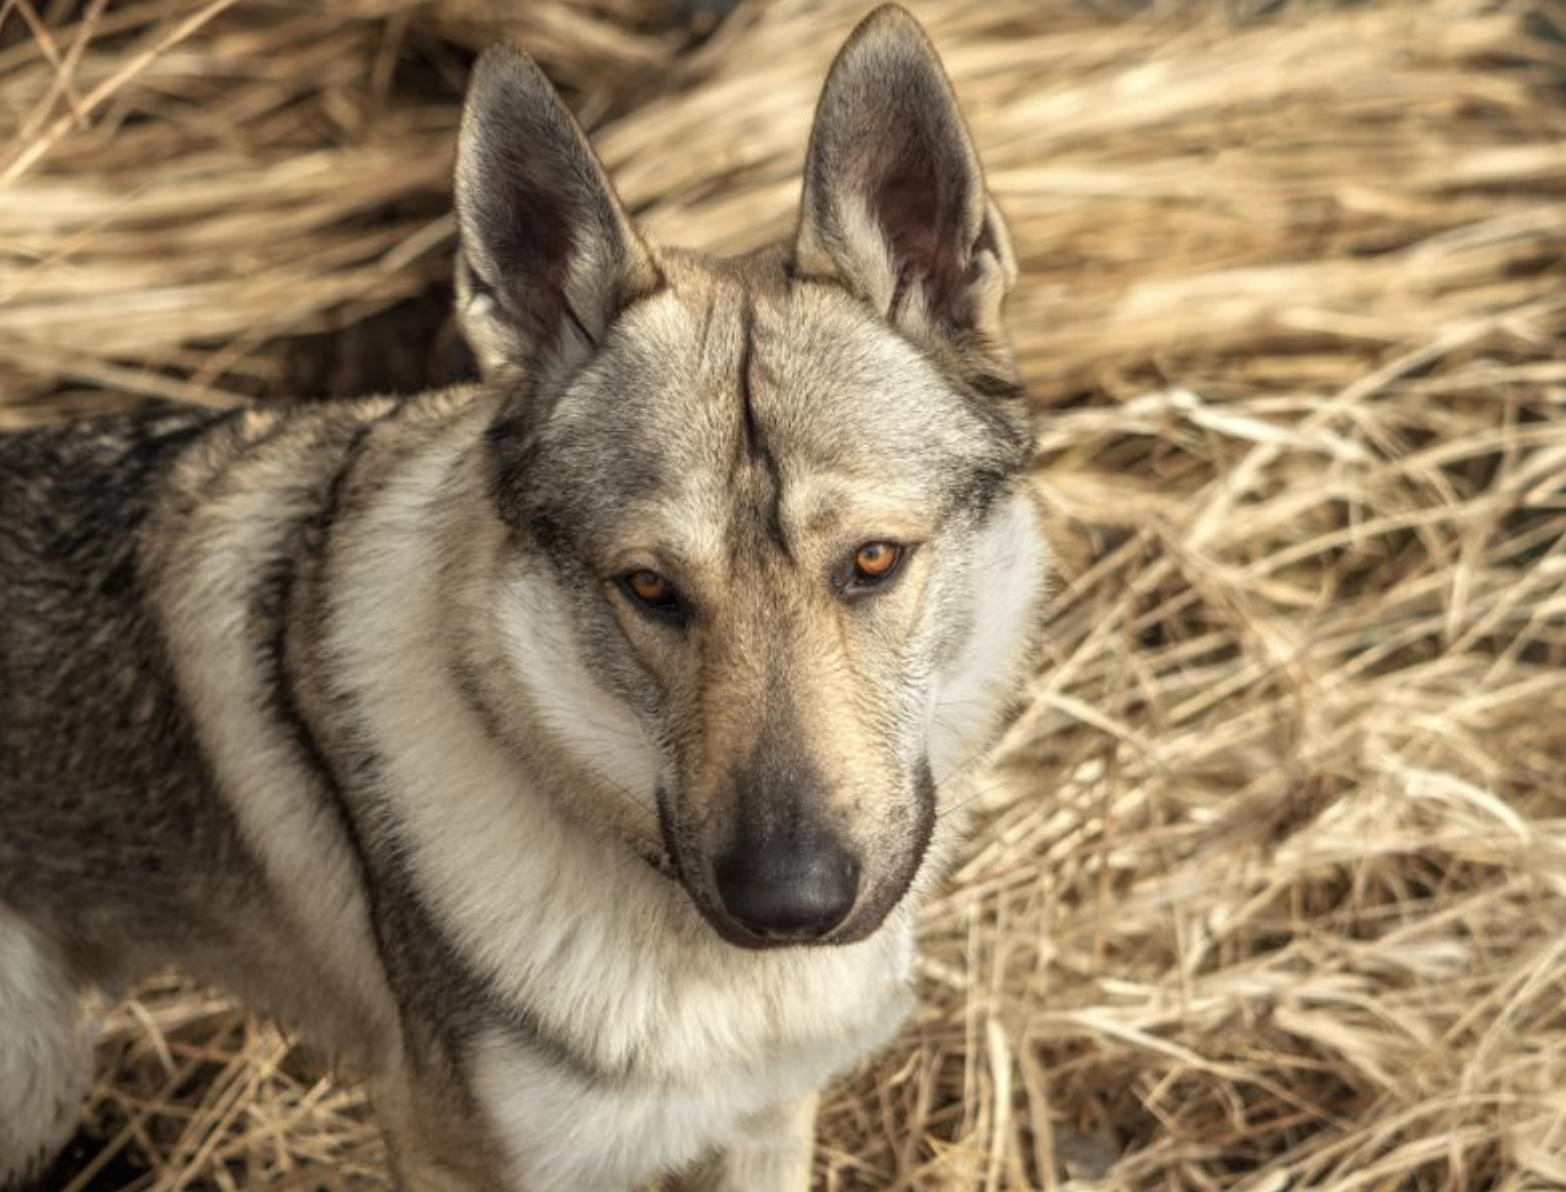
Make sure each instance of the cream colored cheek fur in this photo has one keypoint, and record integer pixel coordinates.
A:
(600, 732)
(1008, 577)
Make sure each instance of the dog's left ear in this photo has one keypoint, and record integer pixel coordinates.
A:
(548, 256)
(894, 203)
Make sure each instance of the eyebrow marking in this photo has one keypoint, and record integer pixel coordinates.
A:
(747, 361)
(753, 444)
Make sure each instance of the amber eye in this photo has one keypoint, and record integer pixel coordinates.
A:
(649, 586)
(872, 565)
(875, 560)
(651, 590)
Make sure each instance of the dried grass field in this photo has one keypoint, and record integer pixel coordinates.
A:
(1269, 889)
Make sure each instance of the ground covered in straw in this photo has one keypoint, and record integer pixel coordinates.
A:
(1269, 889)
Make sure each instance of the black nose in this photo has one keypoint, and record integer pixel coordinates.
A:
(788, 890)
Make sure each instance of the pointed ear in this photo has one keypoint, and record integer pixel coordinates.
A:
(548, 256)
(894, 204)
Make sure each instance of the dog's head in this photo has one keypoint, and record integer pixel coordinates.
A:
(776, 560)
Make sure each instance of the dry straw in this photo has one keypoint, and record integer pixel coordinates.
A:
(1269, 890)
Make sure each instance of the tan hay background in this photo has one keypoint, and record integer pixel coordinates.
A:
(1271, 890)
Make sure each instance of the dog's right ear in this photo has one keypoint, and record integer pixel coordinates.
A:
(548, 256)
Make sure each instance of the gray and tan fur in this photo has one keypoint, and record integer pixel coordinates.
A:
(364, 711)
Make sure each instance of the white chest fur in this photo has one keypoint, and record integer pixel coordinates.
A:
(564, 1132)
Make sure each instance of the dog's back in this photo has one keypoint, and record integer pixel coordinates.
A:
(94, 741)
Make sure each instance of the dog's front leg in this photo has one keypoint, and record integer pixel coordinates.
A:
(771, 1154)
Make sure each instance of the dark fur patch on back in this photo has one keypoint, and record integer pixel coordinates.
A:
(95, 744)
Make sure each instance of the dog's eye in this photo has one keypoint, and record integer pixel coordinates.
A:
(876, 560)
(652, 591)
(871, 566)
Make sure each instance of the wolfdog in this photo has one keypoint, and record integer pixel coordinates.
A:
(567, 751)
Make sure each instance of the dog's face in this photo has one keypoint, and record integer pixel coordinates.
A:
(775, 560)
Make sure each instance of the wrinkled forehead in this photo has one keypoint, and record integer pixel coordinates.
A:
(725, 412)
